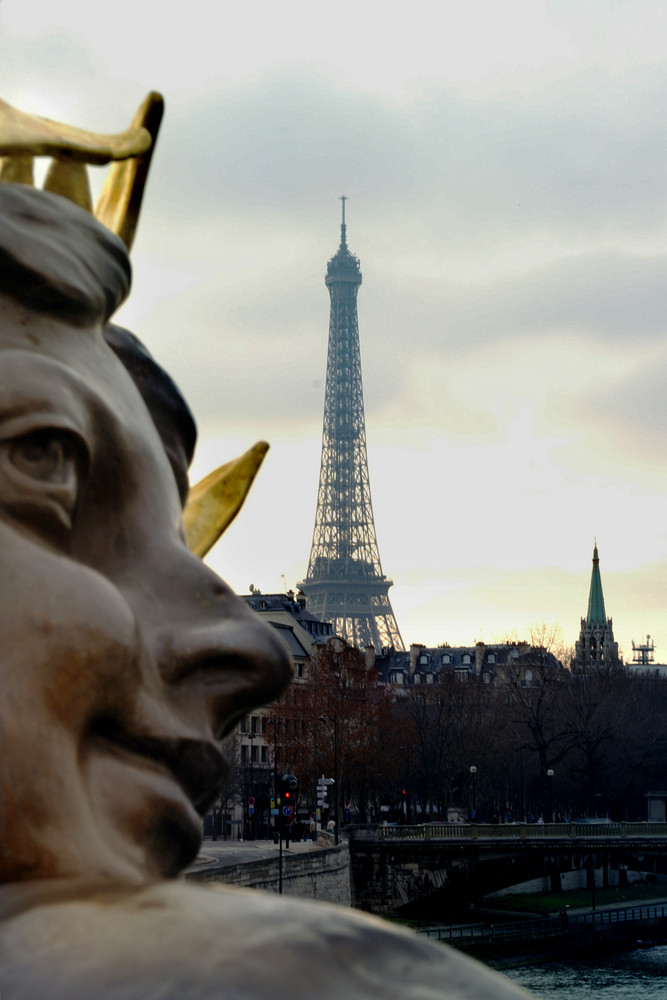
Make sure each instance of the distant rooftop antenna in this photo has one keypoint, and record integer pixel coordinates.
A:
(642, 654)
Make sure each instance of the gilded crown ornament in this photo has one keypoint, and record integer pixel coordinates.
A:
(214, 502)
(24, 137)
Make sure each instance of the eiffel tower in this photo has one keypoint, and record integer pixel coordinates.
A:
(345, 583)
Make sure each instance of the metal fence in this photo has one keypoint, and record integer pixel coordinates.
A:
(522, 831)
(545, 927)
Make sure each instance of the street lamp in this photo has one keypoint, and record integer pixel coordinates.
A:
(253, 825)
(334, 718)
(278, 825)
(550, 776)
(473, 772)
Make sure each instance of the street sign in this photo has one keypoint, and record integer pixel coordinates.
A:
(251, 800)
(275, 812)
(251, 810)
(287, 810)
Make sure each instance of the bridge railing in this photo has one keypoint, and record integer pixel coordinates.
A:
(546, 927)
(521, 831)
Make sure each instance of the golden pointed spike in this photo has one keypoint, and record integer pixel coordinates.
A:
(119, 203)
(22, 133)
(214, 501)
(70, 179)
(16, 170)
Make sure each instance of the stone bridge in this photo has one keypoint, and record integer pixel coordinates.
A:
(454, 863)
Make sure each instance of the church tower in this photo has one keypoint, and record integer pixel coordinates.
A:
(596, 646)
(345, 583)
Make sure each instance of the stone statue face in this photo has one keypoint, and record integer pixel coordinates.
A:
(123, 658)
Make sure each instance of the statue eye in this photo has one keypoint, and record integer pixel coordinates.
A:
(49, 455)
(40, 476)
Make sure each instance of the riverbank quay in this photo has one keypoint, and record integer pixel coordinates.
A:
(570, 935)
(310, 870)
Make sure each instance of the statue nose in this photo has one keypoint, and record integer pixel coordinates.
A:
(216, 658)
(218, 670)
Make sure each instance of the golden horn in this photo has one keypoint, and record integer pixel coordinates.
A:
(70, 179)
(119, 203)
(21, 133)
(16, 170)
(214, 501)
(24, 136)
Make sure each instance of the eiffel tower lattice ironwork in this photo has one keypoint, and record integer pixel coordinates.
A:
(345, 583)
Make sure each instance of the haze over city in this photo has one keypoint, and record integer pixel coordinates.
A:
(505, 173)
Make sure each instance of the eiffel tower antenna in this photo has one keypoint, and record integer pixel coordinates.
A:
(345, 583)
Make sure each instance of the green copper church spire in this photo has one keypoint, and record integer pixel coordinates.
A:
(596, 646)
(596, 614)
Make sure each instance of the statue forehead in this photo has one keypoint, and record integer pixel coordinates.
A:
(72, 373)
(42, 381)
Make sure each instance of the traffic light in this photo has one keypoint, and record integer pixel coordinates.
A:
(288, 785)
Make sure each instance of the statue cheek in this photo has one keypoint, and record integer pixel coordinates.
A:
(69, 638)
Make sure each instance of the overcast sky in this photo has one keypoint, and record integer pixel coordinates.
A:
(505, 165)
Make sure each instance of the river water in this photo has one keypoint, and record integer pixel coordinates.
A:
(632, 975)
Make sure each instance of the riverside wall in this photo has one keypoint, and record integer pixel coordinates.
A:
(322, 874)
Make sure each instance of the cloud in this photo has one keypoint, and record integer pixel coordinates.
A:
(629, 415)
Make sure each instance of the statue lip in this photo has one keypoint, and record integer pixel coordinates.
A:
(199, 766)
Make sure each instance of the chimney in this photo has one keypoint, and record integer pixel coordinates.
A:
(479, 658)
(414, 653)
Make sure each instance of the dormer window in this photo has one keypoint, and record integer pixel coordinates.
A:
(466, 658)
(492, 658)
(446, 658)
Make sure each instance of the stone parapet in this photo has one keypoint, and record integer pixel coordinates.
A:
(323, 875)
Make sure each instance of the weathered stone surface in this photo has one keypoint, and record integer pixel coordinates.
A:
(176, 940)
